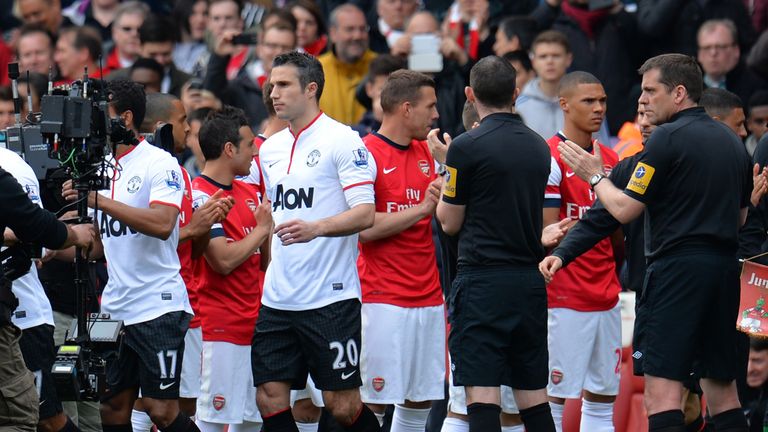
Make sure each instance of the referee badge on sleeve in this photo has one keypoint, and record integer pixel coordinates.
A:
(641, 178)
(450, 182)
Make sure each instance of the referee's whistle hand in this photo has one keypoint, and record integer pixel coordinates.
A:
(583, 163)
(549, 266)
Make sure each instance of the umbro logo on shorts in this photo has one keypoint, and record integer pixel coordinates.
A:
(636, 355)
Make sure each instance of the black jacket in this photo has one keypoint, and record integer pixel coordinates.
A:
(742, 81)
(613, 56)
(241, 92)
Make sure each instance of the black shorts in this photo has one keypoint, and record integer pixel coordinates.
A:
(686, 318)
(39, 353)
(499, 328)
(323, 342)
(149, 357)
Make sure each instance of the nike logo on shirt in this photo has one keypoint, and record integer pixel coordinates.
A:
(389, 170)
(570, 174)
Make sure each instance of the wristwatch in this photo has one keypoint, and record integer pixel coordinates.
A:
(595, 179)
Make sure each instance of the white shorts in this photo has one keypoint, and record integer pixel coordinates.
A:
(457, 399)
(227, 395)
(403, 354)
(309, 392)
(191, 365)
(584, 352)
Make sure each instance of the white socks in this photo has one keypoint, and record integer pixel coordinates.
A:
(307, 427)
(596, 416)
(452, 424)
(140, 421)
(409, 419)
(557, 415)
(518, 428)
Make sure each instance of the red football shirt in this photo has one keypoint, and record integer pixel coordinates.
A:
(185, 249)
(401, 270)
(589, 283)
(229, 304)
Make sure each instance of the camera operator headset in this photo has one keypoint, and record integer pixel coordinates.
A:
(22, 220)
(139, 232)
(34, 315)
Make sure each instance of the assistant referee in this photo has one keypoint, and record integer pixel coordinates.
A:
(29, 223)
(693, 183)
(493, 198)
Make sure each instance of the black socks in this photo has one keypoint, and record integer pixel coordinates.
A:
(483, 417)
(182, 423)
(667, 421)
(538, 418)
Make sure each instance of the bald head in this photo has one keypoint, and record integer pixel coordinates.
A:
(422, 22)
(572, 80)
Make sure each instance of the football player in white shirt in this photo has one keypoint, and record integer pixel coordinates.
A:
(318, 180)
(138, 220)
(34, 315)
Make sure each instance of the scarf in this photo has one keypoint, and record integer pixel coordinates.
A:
(456, 26)
(586, 19)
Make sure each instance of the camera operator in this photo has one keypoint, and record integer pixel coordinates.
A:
(29, 223)
(34, 316)
(138, 221)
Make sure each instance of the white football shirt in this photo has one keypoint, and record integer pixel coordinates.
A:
(320, 172)
(34, 307)
(144, 279)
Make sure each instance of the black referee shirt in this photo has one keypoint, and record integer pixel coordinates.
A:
(694, 178)
(29, 222)
(499, 171)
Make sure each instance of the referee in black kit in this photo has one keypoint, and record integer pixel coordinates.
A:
(29, 223)
(492, 198)
(693, 182)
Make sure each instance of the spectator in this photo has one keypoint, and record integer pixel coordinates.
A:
(6, 108)
(604, 43)
(521, 61)
(467, 24)
(720, 58)
(513, 34)
(157, 35)
(758, 11)
(757, 119)
(310, 27)
(224, 15)
(346, 65)
(147, 72)
(195, 164)
(78, 48)
(671, 25)
(46, 13)
(98, 14)
(390, 23)
(757, 378)
(37, 85)
(192, 15)
(194, 97)
(35, 50)
(380, 69)
(244, 91)
(125, 35)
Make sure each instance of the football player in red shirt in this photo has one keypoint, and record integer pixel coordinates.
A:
(583, 299)
(403, 357)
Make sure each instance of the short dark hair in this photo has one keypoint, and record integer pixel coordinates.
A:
(219, 128)
(85, 38)
(311, 7)
(157, 28)
(182, 10)
(159, 109)
(267, 99)
(758, 343)
(403, 86)
(719, 102)
(199, 114)
(758, 98)
(493, 82)
(469, 115)
(384, 65)
(519, 56)
(552, 36)
(521, 26)
(309, 69)
(284, 19)
(128, 96)
(28, 29)
(675, 70)
(573, 79)
(148, 63)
